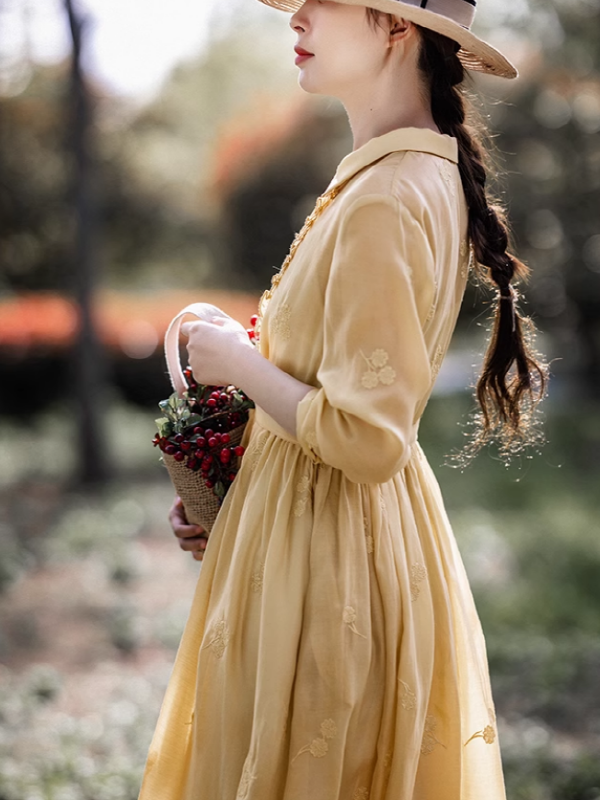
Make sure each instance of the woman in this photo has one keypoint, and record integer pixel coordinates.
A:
(333, 649)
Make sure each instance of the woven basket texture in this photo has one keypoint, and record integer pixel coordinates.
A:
(201, 505)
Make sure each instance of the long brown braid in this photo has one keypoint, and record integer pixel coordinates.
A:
(513, 377)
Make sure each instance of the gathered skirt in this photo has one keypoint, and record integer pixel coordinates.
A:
(333, 650)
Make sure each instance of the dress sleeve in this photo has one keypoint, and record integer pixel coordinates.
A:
(375, 369)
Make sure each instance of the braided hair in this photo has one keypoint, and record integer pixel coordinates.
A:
(513, 378)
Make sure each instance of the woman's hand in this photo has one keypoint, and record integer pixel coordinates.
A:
(221, 354)
(192, 538)
(217, 344)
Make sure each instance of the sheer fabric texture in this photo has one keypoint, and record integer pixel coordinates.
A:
(333, 650)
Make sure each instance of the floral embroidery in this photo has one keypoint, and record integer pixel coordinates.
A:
(303, 492)
(369, 380)
(254, 454)
(430, 741)
(362, 793)
(446, 173)
(436, 362)
(434, 303)
(488, 734)
(310, 437)
(256, 581)
(245, 781)
(219, 638)
(379, 358)
(387, 376)
(379, 371)
(368, 537)
(319, 747)
(349, 618)
(408, 699)
(329, 729)
(418, 574)
(281, 321)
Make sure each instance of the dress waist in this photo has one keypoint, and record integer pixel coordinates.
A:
(265, 421)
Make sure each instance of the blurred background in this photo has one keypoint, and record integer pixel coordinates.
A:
(153, 154)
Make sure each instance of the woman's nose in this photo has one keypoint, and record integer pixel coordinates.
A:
(298, 19)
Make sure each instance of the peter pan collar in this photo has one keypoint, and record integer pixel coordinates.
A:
(422, 140)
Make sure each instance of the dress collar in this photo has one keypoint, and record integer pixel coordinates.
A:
(421, 140)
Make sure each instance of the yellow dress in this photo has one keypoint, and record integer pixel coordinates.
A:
(333, 651)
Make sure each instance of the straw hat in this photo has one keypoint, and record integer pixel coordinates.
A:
(451, 18)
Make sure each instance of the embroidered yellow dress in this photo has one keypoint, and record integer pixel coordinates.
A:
(333, 651)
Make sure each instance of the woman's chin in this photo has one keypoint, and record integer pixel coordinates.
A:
(308, 84)
(305, 83)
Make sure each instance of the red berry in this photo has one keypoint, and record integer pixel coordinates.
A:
(201, 442)
(185, 446)
(209, 484)
(198, 430)
(212, 442)
(178, 438)
(208, 433)
(215, 395)
(218, 437)
(253, 319)
(211, 402)
(239, 450)
(231, 476)
(179, 456)
(251, 334)
(225, 438)
(170, 449)
(224, 396)
(225, 455)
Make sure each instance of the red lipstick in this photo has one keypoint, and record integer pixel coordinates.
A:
(302, 55)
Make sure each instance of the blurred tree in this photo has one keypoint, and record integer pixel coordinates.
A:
(89, 378)
(207, 183)
(550, 133)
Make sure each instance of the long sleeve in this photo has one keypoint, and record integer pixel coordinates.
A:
(375, 369)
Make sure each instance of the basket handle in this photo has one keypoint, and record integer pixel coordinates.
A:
(201, 310)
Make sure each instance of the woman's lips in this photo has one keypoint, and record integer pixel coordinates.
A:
(302, 55)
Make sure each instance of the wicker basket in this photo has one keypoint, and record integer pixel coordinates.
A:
(200, 503)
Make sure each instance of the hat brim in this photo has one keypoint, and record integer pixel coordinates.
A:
(475, 53)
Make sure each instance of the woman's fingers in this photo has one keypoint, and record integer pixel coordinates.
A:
(195, 544)
(191, 538)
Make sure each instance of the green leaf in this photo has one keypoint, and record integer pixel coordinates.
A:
(219, 489)
(164, 426)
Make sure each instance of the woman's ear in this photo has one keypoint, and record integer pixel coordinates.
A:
(400, 31)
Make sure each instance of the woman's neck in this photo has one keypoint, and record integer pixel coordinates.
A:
(396, 101)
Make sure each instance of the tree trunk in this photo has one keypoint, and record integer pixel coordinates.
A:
(88, 357)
